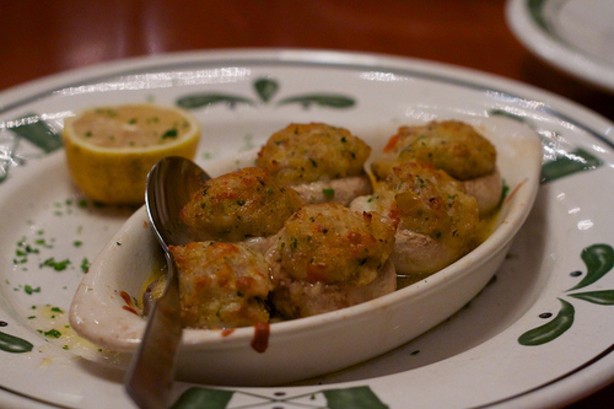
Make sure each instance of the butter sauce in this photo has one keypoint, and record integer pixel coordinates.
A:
(130, 126)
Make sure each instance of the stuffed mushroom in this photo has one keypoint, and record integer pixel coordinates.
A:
(328, 257)
(322, 162)
(454, 147)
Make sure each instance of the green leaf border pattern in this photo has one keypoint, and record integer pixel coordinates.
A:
(599, 260)
(564, 164)
(11, 343)
(358, 397)
(8, 156)
(266, 89)
(31, 127)
(36, 130)
(539, 11)
(578, 160)
(536, 10)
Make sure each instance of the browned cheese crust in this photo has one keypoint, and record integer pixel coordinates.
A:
(328, 250)
(221, 285)
(324, 163)
(454, 147)
(436, 221)
(239, 205)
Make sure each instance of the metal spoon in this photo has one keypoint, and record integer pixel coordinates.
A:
(170, 184)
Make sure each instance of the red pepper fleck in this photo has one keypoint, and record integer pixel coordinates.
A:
(392, 143)
(260, 342)
(130, 309)
(128, 300)
(126, 297)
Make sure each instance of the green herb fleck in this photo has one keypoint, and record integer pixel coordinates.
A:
(170, 133)
(52, 333)
(328, 193)
(31, 290)
(42, 243)
(56, 265)
(85, 265)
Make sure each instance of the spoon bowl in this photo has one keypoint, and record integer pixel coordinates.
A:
(170, 184)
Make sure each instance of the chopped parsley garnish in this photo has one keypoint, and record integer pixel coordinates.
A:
(56, 265)
(170, 133)
(85, 265)
(43, 243)
(52, 333)
(31, 290)
(23, 250)
(328, 193)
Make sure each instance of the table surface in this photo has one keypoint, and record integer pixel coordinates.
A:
(41, 38)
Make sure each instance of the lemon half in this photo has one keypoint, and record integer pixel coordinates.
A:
(111, 149)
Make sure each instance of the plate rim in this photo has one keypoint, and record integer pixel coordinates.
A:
(539, 99)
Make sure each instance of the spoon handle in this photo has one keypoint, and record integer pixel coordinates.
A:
(150, 377)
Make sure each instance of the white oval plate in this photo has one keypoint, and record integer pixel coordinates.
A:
(573, 35)
(294, 349)
(495, 351)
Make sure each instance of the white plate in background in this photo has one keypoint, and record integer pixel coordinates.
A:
(576, 36)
